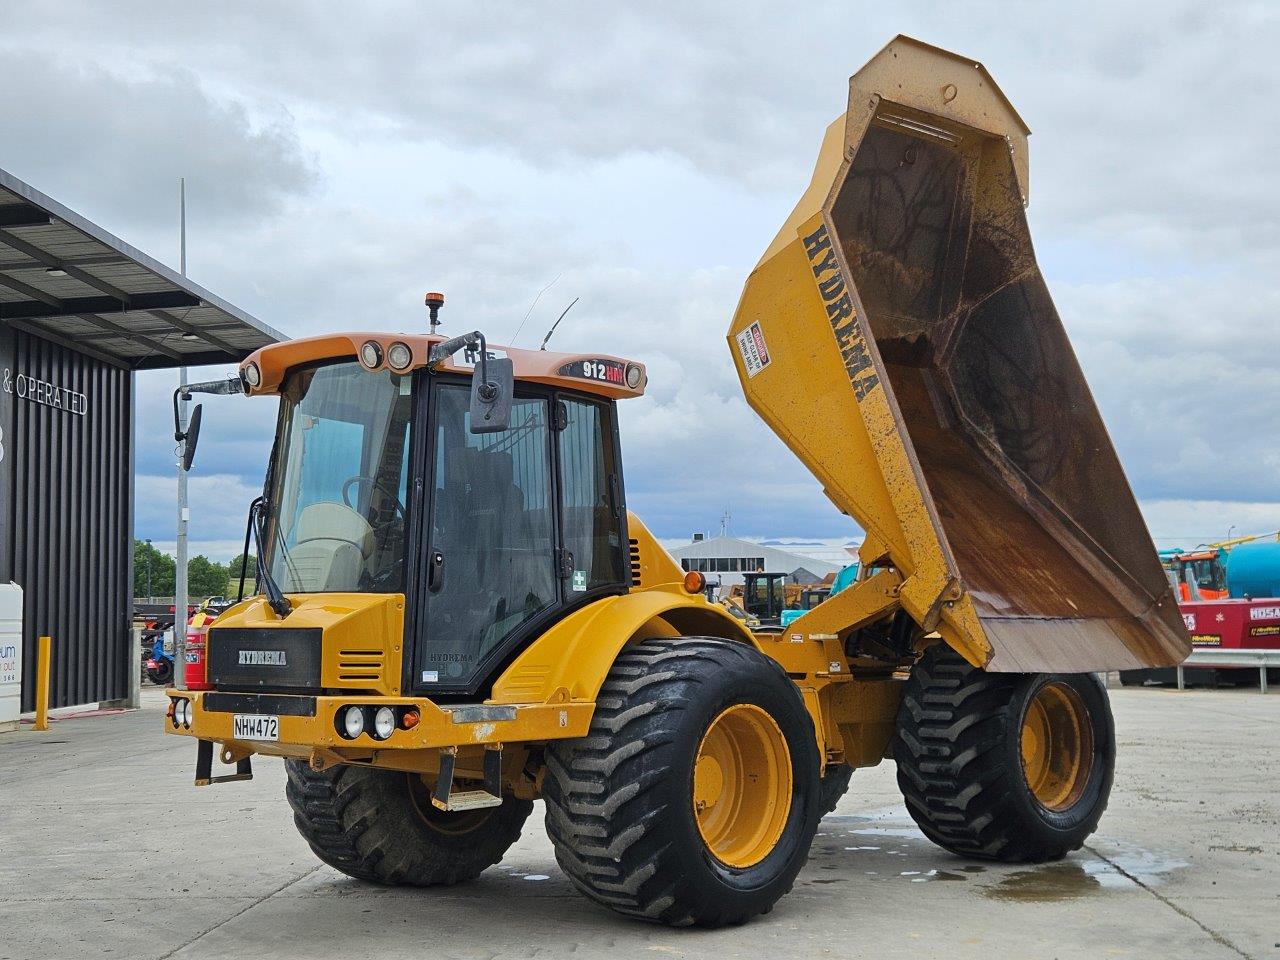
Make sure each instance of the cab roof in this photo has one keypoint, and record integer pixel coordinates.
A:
(596, 373)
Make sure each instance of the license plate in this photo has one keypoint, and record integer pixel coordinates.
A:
(255, 726)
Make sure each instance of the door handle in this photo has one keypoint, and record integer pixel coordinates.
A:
(435, 571)
(564, 564)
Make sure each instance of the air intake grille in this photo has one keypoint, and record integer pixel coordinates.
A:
(635, 563)
(361, 667)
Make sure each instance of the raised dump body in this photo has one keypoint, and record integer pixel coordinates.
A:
(899, 337)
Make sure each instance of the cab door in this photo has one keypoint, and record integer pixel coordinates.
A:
(487, 569)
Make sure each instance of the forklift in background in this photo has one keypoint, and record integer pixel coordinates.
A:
(764, 596)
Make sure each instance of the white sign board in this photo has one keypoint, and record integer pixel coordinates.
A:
(755, 355)
(10, 653)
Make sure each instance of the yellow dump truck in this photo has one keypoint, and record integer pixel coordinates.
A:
(457, 615)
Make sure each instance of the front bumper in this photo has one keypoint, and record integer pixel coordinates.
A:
(310, 723)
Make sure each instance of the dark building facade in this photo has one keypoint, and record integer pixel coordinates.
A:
(80, 312)
(66, 535)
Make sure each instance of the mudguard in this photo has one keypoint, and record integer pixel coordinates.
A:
(571, 660)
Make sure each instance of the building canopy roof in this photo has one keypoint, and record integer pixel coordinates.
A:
(68, 280)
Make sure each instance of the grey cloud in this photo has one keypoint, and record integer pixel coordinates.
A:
(1152, 108)
(218, 510)
(553, 84)
(123, 140)
(1181, 372)
(1152, 197)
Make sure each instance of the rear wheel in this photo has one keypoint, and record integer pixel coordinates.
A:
(380, 825)
(694, 797)
(1013, 767)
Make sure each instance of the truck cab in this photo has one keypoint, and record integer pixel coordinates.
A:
(1200, 575)
(378, 483)
(445, 549)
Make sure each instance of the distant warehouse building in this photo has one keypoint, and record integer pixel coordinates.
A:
(727, 558)
(80, 312)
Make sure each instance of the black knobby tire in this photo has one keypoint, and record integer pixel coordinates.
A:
(379, 825)
(960, 767)
(835, 784)
(620, 800)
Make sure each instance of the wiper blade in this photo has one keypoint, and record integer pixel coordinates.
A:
(275, 597)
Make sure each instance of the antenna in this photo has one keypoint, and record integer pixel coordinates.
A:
(724, 522)
(557, 323)
(516, 335)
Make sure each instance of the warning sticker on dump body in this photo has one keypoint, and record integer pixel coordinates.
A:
(755, 355)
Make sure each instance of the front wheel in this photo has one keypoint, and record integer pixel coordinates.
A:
(380, 825)
(694, 797)
(1004, 766)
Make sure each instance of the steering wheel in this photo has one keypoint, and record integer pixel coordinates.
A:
(375, 484)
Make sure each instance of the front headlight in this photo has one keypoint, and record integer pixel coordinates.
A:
(182, 712)
(371, 354)
(252, 376)
(353, 722)
(384, 723)
(399, 356)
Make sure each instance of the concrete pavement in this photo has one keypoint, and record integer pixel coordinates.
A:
(93, 864)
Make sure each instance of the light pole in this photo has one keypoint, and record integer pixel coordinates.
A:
(149, 593)
(180, 578)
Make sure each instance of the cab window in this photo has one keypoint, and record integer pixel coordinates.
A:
(590, 493)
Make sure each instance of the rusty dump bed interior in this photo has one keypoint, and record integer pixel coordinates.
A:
(1028, 490)
(968, 363)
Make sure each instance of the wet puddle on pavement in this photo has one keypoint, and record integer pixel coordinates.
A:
(1085, 873)
(889, 833)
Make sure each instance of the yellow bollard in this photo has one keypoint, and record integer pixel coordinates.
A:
(44, 657)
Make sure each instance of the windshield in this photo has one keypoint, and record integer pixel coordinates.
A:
(337, 503)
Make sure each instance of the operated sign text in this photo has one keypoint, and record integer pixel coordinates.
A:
(46, 393)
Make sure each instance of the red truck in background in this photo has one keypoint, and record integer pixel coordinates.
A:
(1230, 600)
(1231, 624)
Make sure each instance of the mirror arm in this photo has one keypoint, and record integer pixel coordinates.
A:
(445, 349)
(226, 386)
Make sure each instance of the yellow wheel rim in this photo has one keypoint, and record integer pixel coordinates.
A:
(1057, 746)
(742, 785)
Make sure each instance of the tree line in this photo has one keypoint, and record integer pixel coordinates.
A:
(205, 577)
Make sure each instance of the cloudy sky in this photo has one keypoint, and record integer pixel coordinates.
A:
(341, 160)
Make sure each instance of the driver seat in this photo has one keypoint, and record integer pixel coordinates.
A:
(331, 547)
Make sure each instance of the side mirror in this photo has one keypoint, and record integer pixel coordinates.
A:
(189, 437)
(492, 388)
(192, 437)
